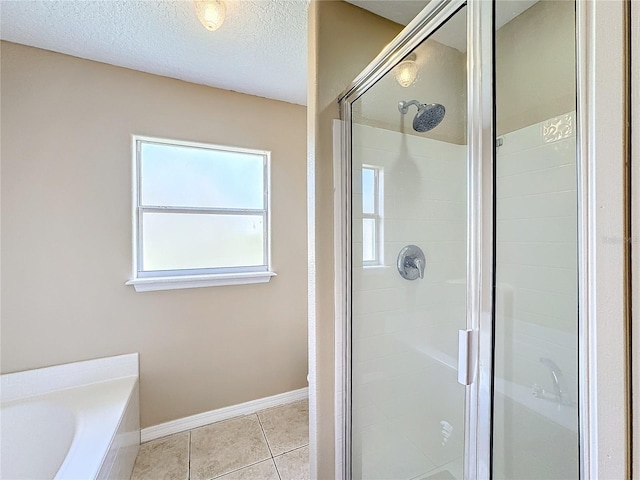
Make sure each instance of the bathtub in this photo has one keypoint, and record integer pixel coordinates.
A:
(74, 421)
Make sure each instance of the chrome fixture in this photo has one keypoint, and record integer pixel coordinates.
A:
(559, 389)
(411, 262)
(428, 117)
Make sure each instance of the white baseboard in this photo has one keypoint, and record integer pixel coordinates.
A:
(212, 416)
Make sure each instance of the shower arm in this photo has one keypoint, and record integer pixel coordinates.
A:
(403, 106)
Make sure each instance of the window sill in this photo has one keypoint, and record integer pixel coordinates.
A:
(151, 284)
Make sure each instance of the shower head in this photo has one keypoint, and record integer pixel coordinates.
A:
(428, 117)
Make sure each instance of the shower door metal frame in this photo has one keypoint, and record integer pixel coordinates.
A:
(479, 317)
(604, 405)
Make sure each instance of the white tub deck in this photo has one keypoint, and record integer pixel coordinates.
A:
(88, 431)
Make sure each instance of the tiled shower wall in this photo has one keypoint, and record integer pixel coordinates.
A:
(536, 262)
(536, 305)
(408, 406)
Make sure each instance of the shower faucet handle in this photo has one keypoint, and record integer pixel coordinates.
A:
(419, 264)
(411, 262)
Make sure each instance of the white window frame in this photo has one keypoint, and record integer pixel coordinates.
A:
(376, 216)
(144, 281)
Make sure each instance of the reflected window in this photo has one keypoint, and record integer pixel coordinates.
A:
(371, 215)
(201, 209)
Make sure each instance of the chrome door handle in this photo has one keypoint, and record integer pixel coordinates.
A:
(465, 357)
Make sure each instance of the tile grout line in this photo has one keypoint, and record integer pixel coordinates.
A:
(241, 468)
(293, 450)
(264, 434)
(276, 467)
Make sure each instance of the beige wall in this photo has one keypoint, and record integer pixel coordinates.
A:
(535, 65)
(343, 39)
(66, 235)
(442, 78)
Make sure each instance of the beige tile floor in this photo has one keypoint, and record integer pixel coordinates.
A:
(272, 444)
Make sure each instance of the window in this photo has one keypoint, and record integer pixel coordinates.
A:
(201, 215)
(371, 216)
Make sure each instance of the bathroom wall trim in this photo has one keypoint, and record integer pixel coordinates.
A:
(225, 413)
(342, 429)
(602, 246)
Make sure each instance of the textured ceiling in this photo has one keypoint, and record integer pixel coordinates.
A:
(261, 49)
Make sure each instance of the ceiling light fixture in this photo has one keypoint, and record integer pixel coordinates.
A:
(406, 71)
(211, 13)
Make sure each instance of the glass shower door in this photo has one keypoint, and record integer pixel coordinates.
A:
(535, 414)
(409, 264)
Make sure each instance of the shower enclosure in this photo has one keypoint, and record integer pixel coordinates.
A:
(460, 328)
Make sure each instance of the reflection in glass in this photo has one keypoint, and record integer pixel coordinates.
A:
(368, 190)
(407, 407)
(535, 424)
(372, 206)
(368, 240)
